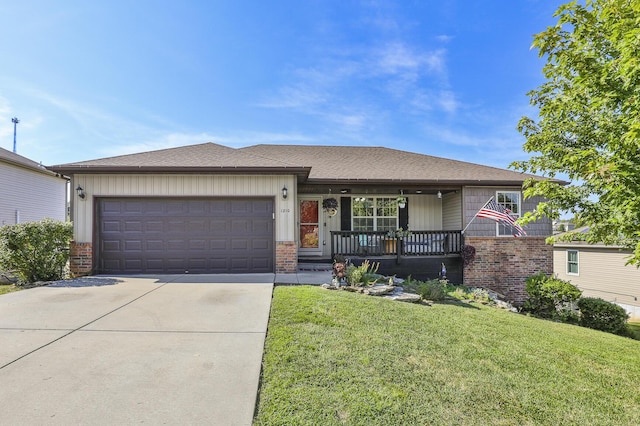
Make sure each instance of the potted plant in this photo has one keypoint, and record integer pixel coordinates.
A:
(330, 205)
(402, 202)
(393, 237)
(399, 233)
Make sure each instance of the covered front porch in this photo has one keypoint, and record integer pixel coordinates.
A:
(419, 254)
(381, 243)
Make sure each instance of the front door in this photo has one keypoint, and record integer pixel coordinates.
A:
(310, 227)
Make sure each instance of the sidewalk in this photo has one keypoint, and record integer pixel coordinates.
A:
(312, 274)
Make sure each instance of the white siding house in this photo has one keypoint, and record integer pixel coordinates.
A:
(28, 191)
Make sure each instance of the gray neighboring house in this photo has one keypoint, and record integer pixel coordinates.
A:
(29, 191)
(599, 270)
(209, 208)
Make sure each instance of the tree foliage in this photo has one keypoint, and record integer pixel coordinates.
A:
(588, 126)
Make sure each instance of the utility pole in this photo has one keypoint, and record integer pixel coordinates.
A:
(15, 121)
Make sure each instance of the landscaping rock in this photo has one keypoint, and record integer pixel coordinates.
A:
(404, 297)
(379, 289)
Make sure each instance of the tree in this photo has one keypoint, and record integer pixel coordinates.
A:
(589, 121)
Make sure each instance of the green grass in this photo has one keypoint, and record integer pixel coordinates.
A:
(634, 330)
(335, 357)
(8, 288)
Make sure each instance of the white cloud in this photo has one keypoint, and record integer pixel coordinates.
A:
(444, 38)
(397, 58)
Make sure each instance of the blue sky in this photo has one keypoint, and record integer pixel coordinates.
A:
(91, 79)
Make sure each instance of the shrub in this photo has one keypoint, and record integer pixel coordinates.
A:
(35, 251)
(602, 315)
(550, 297)
(431, 290)
(366, 273)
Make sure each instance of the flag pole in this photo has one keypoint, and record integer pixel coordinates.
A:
(476, 215)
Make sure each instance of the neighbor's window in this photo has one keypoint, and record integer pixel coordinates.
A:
(572, 262)
(374, 214)
(511, 202)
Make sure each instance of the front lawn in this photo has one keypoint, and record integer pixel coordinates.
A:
(334, 357)
(8, 288)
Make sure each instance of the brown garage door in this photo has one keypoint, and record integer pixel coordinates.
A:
(178, 235)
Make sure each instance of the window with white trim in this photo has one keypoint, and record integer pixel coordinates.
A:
(572, 262)
(510, 201)
(374, 214)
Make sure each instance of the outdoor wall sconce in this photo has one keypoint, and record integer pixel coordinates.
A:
(80, 192)
(284, 193)
(439, 194)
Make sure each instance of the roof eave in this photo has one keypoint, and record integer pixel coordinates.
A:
(417, 182)
(70, 170)
(36, 169)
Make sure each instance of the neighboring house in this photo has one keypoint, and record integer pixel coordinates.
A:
(213, 209)
(28, 191)
(599, 271)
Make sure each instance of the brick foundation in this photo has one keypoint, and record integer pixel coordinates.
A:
(286, 257)
(81, 258)
(503, 264)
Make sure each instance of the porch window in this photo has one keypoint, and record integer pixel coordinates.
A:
(572, 262)
(511, 202)
(374, 214)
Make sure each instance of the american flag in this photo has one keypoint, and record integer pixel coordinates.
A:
(498, 213)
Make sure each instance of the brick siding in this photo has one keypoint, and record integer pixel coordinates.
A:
(81, 259)
(286, 257)
(503, 264)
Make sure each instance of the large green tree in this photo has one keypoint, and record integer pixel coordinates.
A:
(588, 127)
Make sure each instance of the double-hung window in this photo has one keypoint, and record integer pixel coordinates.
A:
(511, 202)
(374, 214)
(572, 262)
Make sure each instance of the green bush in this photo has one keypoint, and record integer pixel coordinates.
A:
(35, 251)
(365, 274)
(550, 297)
(602, 315)
(431, 290)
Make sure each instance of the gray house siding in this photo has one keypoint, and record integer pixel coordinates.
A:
(476, 197)
(28, 195)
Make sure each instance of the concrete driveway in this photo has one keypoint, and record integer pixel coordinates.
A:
(156, 350)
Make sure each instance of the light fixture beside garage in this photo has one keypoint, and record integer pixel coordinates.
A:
(80, 192)
(284, 193)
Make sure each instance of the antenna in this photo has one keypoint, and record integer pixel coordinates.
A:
(15, 121)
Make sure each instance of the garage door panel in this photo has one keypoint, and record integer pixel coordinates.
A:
(132, 206)
(133, 245)
(153, 226)
(133, 226)
(260, 226)
(111, 226)
(133, 264)
(240, 227)
(239, 244)
(166, 235)
(257, 244)
(176, 245)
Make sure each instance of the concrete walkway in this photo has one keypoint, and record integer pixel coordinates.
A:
(157, 350)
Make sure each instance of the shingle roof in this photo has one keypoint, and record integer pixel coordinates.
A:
(321, 163)
(379, 164)
(18, 160)
(208, 157)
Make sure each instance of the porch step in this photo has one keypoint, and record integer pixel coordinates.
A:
(315, 267)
